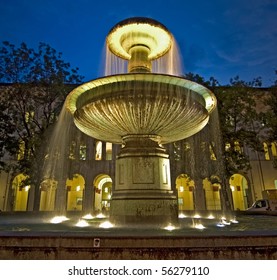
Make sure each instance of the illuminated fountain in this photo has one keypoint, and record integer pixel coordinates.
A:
(141, 111)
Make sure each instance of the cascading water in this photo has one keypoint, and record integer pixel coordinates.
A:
(142, 103)
(170, 63)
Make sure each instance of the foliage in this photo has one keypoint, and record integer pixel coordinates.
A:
(211, 83)
(269, 117)
(36, 83)
(240, 122)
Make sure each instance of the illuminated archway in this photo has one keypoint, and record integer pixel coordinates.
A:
(238, 185)
(47, 195)
(185, 188)
(75, 190)
(103, 192)
(20, 193)
(212, 189)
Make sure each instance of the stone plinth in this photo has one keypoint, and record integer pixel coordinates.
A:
(142, 191)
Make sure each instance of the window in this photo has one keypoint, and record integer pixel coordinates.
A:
(83, 152)
(98, 150)
(109, 151)
(72, 150)
(237, 147)
(274, 149)
(227, 147)
(266, 151)
(212, 154)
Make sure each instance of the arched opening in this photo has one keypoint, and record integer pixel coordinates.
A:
(185, 188)
(20, 193)
(238, 185)
(47, 195)
(75, 190)
(103, 192)
(212, 189)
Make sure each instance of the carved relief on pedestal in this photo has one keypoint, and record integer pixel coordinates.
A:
(143, 171)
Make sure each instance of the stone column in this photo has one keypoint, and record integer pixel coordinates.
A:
(61, 198)
(199, 195)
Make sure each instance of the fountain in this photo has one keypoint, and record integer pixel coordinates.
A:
(142, 111)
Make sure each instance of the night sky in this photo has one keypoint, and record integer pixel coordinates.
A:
(219, 38)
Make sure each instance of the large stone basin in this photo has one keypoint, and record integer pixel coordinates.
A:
(169, 107)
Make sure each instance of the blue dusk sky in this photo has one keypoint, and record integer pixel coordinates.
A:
(219, 38)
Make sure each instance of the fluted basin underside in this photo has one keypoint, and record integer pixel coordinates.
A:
(115, 106)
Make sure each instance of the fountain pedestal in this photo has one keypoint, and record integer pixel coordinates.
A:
(142, 192)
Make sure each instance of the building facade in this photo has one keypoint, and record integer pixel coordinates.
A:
(197, 176)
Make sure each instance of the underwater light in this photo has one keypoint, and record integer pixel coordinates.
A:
(58, 219)
(224, 222)
(220, 225)
(181, 216)
(234, 221)
(101, 216)
(197, 216)
(199, 226)
(106, 224)
(82, 223)
(211, 217)
(170, 227)
(88, 217)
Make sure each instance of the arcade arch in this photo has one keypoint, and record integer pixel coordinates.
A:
(75, 190)
(185, 187)
(212, 189)
(239, 185)
(20, 193)
(47, 195)
(103, 192)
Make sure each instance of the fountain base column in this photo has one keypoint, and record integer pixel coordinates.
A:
(142, 192)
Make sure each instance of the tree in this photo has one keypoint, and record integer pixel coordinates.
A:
(211, 83)
(36, 84)
(240, 123)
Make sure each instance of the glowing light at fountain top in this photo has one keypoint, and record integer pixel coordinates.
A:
(139, 31)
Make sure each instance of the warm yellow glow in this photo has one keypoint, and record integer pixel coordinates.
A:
(197, 216)
(199, 226)
(211, 217)
(58, 219)
(88, 217)
(182, 216)
(106, 224)
(123, 38)
(82, 223)
(100, 216)
(234, 221)
(170, 227)
(224, 222)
